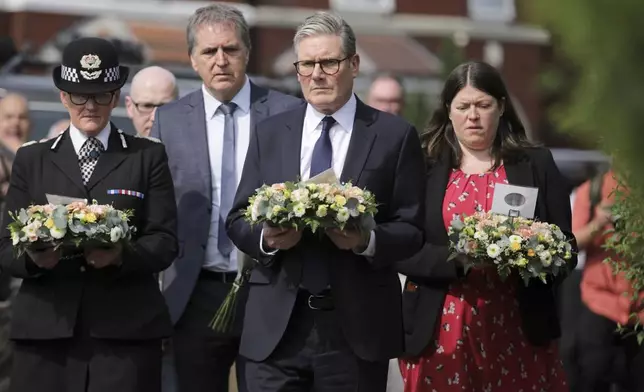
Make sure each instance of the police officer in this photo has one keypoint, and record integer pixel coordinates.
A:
(92, 319)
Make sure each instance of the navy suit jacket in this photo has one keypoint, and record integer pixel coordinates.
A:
(181, 126)
(385, 157)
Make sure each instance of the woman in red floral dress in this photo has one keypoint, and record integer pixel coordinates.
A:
(473, 332)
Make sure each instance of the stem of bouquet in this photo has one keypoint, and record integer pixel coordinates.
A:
(225, 317)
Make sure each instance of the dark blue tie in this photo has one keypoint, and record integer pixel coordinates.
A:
(228, 177)
(322, 158)
(315, 270)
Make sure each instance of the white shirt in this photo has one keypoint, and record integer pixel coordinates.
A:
(340, 134)
(79, 138)
(215, 123)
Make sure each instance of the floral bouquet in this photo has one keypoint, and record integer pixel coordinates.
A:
(38, 226)
(98, 224)
(533, 249)
(300, 205)
(75, 224)
(309, 205)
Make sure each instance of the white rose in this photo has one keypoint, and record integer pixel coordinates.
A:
(57, 233)
(343, 215)
(116, 234)
(515, 239)
(546, 258)
(481, 235)
(299, 210)
(493, 250)
(300, 195)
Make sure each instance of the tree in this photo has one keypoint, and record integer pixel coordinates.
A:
(604, 42)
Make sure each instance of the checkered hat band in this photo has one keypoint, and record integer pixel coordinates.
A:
(71, 74)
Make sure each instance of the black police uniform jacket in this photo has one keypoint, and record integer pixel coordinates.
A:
(121, 302)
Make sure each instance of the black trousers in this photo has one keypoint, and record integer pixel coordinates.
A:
(313, 355)
(202, 357)
(86, 365)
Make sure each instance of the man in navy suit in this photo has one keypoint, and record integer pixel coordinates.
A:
(324, 313)
(207, 134)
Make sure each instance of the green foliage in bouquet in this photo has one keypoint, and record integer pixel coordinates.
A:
(627, 242)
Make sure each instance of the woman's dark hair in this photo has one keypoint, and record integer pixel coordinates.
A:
(510, 139)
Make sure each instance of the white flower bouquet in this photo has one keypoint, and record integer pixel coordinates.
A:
(531, 248)
(98, 224)
(75, 224)
(309, 205)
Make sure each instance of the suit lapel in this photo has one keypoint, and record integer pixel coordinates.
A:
(519, 173)
(197, 137)
(292, 146)
(65, 158)
(437, 179)
(258, 108)
(362, 139)
(109, 160)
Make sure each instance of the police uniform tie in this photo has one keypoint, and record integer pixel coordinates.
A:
(228, 181)
(88, 157)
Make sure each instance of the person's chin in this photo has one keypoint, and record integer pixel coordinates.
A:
(92, 124)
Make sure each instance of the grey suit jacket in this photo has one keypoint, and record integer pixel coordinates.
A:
(181, 126)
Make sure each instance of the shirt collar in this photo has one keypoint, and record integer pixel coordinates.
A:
(79, 138)
(241, 99)
(345, 116)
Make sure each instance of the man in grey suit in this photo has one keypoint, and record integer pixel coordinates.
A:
(206, 134)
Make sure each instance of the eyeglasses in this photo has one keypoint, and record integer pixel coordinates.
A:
(328, 66)
(146, 107)
(103, 99)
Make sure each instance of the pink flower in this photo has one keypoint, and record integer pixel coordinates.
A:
(278, 187)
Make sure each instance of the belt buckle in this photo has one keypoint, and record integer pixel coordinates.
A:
(309, 301)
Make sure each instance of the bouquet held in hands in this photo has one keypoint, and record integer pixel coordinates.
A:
(76, 224)
(530, 248)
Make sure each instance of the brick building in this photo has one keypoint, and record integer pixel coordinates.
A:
(403, 36)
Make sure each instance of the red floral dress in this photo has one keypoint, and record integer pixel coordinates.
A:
(479, 345)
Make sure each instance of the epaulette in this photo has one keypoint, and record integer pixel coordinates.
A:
(29, 143)
(150, 138)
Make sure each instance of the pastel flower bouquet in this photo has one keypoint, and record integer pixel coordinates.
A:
(530, 248)
(304, 206)
(76, 224)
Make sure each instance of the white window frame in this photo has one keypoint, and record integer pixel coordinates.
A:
(487, 10)
(370, 6)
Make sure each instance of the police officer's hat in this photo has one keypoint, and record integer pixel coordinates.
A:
(90, 66)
